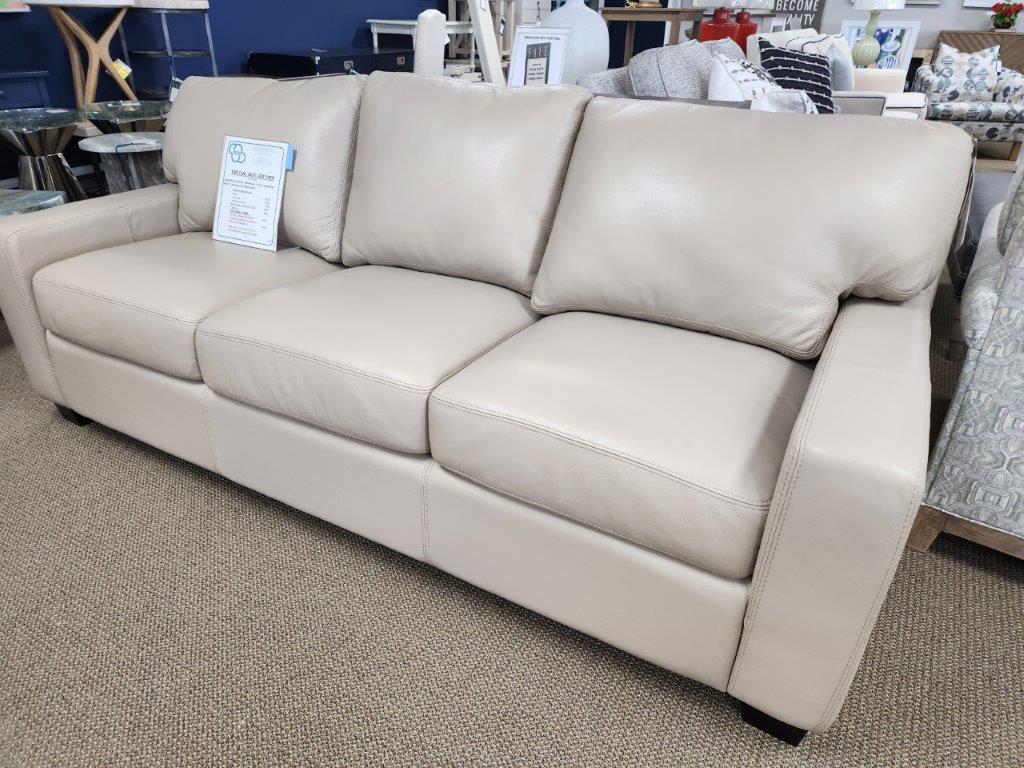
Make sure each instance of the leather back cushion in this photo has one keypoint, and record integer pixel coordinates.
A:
(750, 225)
(317, 117)
(459, 179)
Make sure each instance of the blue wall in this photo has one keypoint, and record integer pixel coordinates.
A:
(30, 41)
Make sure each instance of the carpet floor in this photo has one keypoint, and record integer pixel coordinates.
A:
(153, 614)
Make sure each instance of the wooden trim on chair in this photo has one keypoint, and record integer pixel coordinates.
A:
(931, 522)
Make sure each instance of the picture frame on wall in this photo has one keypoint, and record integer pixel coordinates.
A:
(978, 4)
(896, 38)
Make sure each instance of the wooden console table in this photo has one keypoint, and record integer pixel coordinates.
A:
(1011, 44)
(674, 17)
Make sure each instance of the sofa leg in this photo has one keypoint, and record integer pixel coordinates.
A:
(73, 416)
(927, 527)
(780, 730)
(1014, 150)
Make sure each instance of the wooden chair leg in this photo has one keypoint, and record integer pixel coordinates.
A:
(927, 527)
(1015, 150)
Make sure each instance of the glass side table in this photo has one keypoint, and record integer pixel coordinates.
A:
(13, 201)
(38, 136)
(129, 160)
(127, 116)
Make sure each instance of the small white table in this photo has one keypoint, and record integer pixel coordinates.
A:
(408, 27)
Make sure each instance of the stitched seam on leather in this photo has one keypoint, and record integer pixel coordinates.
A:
(318, 360)
(835, 701)
(800, 354)
(209, 429)
(345, 188)
(548, 223)
(148, 366)
(425, 508)
(311, 423)
(40, 334)
(27, 299)
(483, 352)
(585, 523)
(117, 302)
(615, 455)
(775, 533)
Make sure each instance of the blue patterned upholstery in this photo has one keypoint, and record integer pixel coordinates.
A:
(977, 468)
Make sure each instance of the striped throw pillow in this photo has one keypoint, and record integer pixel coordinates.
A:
(799, 71)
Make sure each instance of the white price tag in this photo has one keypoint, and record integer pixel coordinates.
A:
(250, 191)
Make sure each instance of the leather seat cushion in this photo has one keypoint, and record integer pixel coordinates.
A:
(142, 301)
(669, 438)
(357, 352)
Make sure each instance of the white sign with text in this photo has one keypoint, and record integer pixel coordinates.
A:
(250, 191)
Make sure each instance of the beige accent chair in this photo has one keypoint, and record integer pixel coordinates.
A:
(599, 384)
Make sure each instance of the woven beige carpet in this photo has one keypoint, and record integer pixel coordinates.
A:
(152, 614)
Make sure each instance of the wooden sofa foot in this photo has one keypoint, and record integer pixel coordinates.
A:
(927, 527)
(1014, 151)
(73, 416)
(780, 730)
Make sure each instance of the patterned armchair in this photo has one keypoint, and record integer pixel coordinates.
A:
(957, 91)
(976, 477)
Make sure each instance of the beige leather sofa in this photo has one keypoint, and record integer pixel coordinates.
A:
(676, 402)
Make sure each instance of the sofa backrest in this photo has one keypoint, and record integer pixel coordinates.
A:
(460, 179)
(746, 224)
(317, 117)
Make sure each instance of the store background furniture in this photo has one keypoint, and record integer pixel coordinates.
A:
(536, 451)
(15, 201)
(38, 137)
(887, 81)
(128, 160)
(127, 116)
(97, 49)
(19, 90)
(998, 118)
(865, 51)
(976, 477)
(407, 27)
(673, 17)
(1011, 44)
(672, 65)
(143, 10)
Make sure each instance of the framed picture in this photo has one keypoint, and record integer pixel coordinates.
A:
(896, 38)
(538, 54)
(978, 4)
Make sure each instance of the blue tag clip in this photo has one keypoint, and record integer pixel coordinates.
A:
(289, 159)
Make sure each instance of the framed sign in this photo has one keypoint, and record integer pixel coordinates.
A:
(896, 38)
(809, 12)
(538, 55)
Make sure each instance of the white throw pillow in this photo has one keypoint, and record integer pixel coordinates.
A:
(784, 101)
(738, 80)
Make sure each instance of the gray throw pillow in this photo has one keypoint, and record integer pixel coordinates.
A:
(841, 69)
(678, 71)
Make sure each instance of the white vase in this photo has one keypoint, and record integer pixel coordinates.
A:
(587, 51)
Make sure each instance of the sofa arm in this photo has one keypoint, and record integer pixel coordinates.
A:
(925, 80)
(1009, 86)
(847, 494)
(30, 241)
(884, 80)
